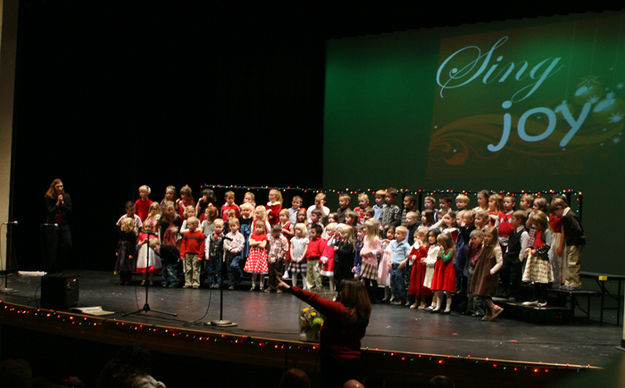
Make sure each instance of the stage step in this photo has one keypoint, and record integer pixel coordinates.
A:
(541, 315)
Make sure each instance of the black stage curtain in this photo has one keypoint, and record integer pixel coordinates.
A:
(110, 96)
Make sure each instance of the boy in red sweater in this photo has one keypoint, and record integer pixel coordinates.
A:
(316, 245)
(192, 253)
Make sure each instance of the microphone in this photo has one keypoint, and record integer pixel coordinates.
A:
(10, 223)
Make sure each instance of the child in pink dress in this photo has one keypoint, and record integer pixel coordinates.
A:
(384, 275)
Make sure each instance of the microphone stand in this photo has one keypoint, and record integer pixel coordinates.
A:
(6, 288)
(146, 307)
(221, 322)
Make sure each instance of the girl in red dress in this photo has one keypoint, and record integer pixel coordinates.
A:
(274, 206)
(418, 254)
(256, 262)
(444, 278)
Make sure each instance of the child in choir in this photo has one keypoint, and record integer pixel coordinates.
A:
(154, 215)
(527, 202)
(260, 217)
(379, 204)
(245, 222)
(210, 215)
(418, 254)
(412, 224)
(169, 225)
(538, 270)
(370, 255)
(333, 217)
(360, 235)
(186, 199)
(427, 219)
(344, 251)
(296, 205)
(444, 207)
(467, 219)
(288, 232)
(233, 245)
(142, 204)
(192, 252)
(189, 212)
(215, 254)
(250, 198)
(351, 218)
(315, 219)
(170, 196)
(285, 224)
(429, 203)
(444, 278)
(462, 202)
(363, 205)
(482, 200)
(514, 256)
(126, 254)
(495, 206)
(449, 225)
(130, 213)
(256, 262)
(401, 251)
(148, 261)
(390, 212)
(475, 306)
(344, 201)
(301, 217)
(330, 236)
(504, 227)
(320, 201)
(410, 201)
(274, 206)
(313, 254)
(481, 219)
(299, 245)
(278, 247)
(430, 263)
(540, 203)
(368, 214)
(229, 197)
(208, 199)
(556, 259)
(384, 273)
(574, 238)
(485, 276)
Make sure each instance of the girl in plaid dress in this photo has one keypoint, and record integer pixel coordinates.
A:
(538, 269)
(370, 255)
(299, 245)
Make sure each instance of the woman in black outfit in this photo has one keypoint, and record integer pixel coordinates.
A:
(57, 234)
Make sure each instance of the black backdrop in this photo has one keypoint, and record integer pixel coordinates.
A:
(112, 95)
(109, 98)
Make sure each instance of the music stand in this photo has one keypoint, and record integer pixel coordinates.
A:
(146, 307)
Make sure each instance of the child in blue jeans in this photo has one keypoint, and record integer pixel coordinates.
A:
(401, 250)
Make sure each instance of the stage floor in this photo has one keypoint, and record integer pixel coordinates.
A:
(391, 328)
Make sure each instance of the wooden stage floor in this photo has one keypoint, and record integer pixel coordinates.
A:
(392, 328)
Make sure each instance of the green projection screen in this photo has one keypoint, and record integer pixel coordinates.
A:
(522, 105)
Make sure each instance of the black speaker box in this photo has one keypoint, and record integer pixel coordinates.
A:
(59, 291)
